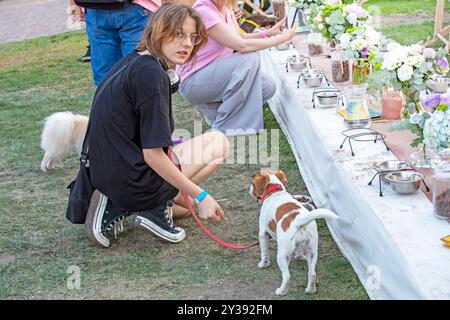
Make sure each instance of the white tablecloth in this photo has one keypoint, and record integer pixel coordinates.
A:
(392, 242)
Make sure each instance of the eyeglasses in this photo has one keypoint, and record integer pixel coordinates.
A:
(195, 37)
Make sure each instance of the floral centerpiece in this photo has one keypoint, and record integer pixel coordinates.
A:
(333, 21)
(407, 68)
(436, 132)
(361, 45)
(310, 8)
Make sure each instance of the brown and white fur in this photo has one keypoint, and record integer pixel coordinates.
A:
(293, 227)
(63, 134)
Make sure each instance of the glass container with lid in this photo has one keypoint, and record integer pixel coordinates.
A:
(441, 186)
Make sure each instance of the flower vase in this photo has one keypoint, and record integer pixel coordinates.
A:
(424, 157)
(413, 104)
(360, 71)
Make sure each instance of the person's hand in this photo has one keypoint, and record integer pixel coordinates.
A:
(277, 28)
(287, 35)
(209, 209)
(238, 14)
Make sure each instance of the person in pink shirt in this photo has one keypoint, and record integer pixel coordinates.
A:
(226, 83)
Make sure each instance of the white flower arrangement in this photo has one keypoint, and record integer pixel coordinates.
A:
(334, 21)
(360, 43)
(410, 66)
(311, 8)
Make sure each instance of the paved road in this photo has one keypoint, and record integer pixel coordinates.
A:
(27, 19)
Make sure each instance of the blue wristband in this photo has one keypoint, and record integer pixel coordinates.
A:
(201, 196)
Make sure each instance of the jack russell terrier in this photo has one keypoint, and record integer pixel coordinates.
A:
(288, 222)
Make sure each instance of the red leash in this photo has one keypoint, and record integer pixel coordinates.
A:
(210, 234)
(200, 224)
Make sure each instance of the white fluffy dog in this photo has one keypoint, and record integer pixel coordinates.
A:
(63, 134)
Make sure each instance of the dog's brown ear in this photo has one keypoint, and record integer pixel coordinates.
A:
(260, 182)
(280, 175)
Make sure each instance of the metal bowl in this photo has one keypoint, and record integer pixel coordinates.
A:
(311, 71)
(391, 165)
(313, 79)
(327, 98)
(438, 84)
(404, 182)
(298, 63)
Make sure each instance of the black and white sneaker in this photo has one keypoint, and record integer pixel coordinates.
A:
(159, 221)
(87, 55)
(103, 220)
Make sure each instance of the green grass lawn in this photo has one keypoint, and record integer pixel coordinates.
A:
(388, 7)
(410, 33)
(37, 245)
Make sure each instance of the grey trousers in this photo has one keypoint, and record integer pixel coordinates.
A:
(230, 93)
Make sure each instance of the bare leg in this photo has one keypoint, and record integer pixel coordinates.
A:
(199, 158)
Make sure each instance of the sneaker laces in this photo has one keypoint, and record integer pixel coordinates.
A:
(116, 225)
(169, 216)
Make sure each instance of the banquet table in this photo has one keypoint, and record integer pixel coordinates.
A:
(392, 242)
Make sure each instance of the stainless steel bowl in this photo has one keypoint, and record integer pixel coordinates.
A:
(438, 84)
(311, 71)
(391, 165)
(327, 98)
(404, 182)
(313, 79)
(283, 46)
(298, 63)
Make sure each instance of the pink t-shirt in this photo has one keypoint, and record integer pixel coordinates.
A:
(151, 5)
(213, 50)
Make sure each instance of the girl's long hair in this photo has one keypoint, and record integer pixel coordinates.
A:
(165, 23)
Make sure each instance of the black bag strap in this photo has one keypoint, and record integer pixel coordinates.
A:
(84, 157)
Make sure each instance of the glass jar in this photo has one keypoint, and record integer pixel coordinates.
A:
(356, 107)
(441, 188)
(392, 104)
(360, 71)
(340, 68)
(315, 44)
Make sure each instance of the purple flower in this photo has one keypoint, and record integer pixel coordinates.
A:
(431, 101)
(364, 52)
(442, 63)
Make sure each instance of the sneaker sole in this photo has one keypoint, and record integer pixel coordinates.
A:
(156, 230)
(93, 221)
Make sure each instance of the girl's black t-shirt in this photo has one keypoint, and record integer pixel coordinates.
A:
(131, 113)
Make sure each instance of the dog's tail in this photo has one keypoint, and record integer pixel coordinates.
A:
(305, 218)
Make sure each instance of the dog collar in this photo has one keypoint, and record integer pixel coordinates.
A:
(269, 190)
